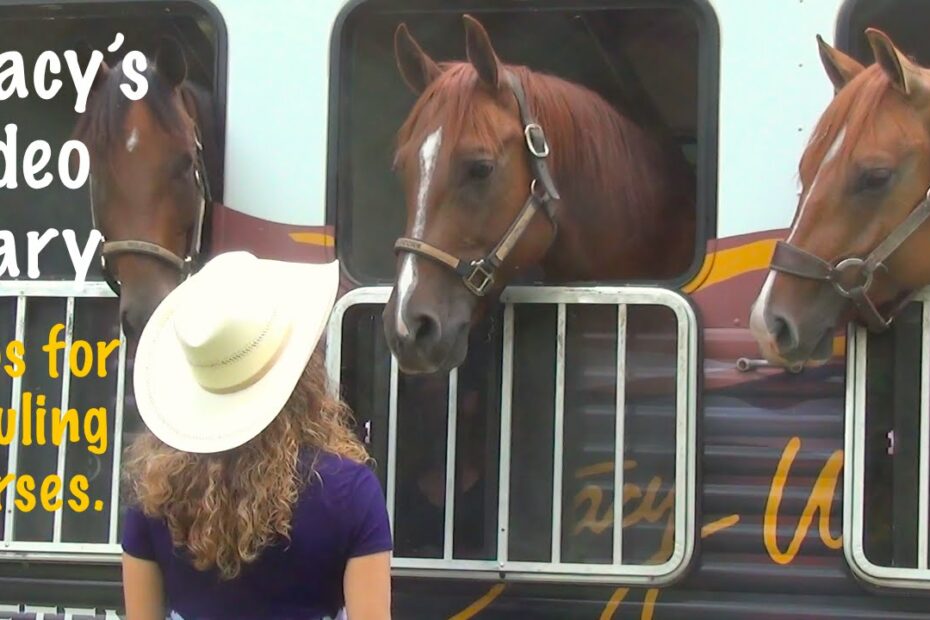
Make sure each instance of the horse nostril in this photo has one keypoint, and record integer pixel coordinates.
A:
(425, 328)
(786, 335)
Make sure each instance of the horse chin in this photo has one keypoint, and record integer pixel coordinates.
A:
(814, 357)
(426, 364)
(823, 351)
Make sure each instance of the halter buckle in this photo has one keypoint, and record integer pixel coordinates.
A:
(846, 266)
(536, 140)
(479, 279)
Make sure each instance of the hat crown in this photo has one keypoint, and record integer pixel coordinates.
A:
(228, 335)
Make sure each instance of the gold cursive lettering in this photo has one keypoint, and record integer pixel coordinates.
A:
(648, 507)
(649, 603)
(820, 500)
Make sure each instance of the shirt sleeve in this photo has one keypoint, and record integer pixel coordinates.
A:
(371, 531)
(137, 539)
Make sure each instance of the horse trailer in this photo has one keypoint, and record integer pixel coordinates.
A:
(610, 447)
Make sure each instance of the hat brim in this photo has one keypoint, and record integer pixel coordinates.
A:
(187, 417)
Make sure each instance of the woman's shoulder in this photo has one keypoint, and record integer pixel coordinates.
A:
(139, 532)
(338, 472)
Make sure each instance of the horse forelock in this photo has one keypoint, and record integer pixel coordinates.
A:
(448, 102)
(855, 111)
(102, 126)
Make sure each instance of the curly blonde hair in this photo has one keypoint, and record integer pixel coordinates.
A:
(225, 508)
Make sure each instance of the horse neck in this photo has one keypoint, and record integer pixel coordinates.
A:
(615, 180)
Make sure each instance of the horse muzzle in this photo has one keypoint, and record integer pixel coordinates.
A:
(424, 342)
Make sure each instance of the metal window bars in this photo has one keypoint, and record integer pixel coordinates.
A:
(556, 569)
(57, 547)
(56, 613)
(856, 462)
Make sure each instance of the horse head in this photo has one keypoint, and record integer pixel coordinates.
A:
(857, 246)
(149, 186)
(472, 164)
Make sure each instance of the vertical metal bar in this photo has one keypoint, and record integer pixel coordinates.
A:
(857, 382)
(65, 394)
(924, 475)
(620, 422)
(448, 525)
(392, 443)
(558, 436)
(503, 499)
(117, 437)
(16, 398)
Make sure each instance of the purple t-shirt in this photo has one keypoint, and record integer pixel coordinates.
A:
(339, 515)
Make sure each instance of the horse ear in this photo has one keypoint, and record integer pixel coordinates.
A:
(103, 72)
(906, 76)
(170, 62)
(417, 69)
(841, 69)
(481, 53)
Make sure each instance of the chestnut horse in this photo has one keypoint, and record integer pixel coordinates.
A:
(486, 201)
(858, 244)
(152, 163)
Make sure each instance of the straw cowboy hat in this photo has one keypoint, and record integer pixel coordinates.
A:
(222, 353)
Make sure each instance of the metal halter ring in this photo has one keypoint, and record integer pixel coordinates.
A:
(531, 130)
(479, 279)
(845, 265)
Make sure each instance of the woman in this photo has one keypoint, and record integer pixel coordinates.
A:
(251, 494)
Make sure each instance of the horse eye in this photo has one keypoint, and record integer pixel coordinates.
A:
(873, 179)
(480, 169)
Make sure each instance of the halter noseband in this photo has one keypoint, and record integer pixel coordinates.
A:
(186, 265)
(852, 278)
(478, 275)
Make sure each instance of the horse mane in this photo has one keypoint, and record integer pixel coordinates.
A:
(614, 159)
(101, 127)
(853, 109)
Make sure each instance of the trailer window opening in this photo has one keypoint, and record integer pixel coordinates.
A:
(887, 496)
(560, 448)
(88, 310)
(656, 65)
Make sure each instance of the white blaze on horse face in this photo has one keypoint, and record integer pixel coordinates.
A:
(831, 153)
(407, 279)
(762, 302)
(133, 140)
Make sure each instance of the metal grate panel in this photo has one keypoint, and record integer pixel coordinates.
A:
(910, 519)
(683, 453)
(38, 535)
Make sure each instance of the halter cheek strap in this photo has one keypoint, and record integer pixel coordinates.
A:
(478, 275)
(852, 278)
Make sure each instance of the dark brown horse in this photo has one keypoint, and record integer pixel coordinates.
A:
(152, 162)
(468, 154)
(858, 244)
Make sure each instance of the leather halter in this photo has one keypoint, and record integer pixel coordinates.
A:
(852, 278)
(185, 265)
(478, 275)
